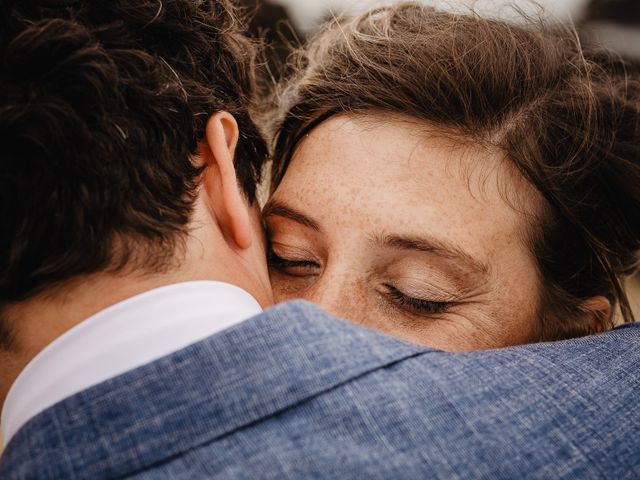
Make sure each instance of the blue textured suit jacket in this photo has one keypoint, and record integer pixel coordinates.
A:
(295, 393)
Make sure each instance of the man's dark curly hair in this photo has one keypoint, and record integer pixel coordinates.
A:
(102, 105)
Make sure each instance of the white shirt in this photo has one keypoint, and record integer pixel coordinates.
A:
(120, 338)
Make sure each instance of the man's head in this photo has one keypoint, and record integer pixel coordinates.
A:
(120, 126)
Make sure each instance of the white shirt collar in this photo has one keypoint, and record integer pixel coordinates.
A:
(120, 338)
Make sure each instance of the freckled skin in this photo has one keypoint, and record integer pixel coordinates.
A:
(361, 178)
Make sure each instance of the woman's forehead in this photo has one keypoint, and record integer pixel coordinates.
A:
(376, 156)
(360, 179)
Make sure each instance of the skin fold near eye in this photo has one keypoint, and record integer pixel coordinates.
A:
(417, 305)
(290, 266)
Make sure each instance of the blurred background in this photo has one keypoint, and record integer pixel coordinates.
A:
(614, 23)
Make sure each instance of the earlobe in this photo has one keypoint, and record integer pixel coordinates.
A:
(226, 200)
(597, 313)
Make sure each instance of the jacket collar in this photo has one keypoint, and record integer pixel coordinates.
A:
(255, 369)
(120, 338)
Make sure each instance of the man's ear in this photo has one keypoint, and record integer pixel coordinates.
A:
(225, 200)
(596, 313)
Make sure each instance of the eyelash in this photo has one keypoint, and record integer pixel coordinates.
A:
(282, 264)
(417, 305)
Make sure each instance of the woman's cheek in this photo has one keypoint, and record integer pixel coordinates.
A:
(286, 286)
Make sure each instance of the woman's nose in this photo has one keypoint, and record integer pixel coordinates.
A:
(339, 297)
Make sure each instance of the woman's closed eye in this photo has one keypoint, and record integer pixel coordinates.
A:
(292, 265)
(418, 306)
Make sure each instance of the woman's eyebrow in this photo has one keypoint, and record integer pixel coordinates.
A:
(435, 246)
(281, 209)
